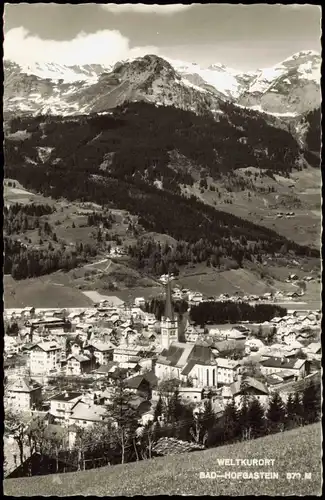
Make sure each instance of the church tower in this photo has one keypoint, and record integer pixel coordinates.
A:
(169, 324)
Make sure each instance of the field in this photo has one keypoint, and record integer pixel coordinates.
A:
(296, 451)
(301, 193)
(110, 276)
(41, 293)
(242, 281)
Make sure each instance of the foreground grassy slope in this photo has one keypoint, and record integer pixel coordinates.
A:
(298, 450)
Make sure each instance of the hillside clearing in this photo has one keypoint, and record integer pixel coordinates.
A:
(41, 293)
(296, 451)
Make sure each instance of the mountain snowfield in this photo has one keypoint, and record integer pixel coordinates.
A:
(287, 89)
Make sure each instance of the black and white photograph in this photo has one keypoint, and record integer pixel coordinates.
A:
(162, 270)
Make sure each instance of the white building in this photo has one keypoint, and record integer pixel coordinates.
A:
(276, 364)
(61, 405)
(226, 370)
(45, 358)
(125, 354)
(102, 351)
(23, 394)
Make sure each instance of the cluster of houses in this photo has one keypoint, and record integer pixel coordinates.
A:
(288, 215)
(97, 343)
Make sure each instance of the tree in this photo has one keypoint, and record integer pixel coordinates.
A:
(158, 409)
(275, 414)
(122, 413)
(166, 391)
(297, 408)
(311, 403)
(96, 441)
(256, 418)
(231, 422)
(243, 412)
(148, 436)
(244, 420)
(197, 430)
(36, 434)
(208, 416)
(252, 369)
(293, 410)
(260, 332)
(16, 424)
(175, 407)
(271, 336)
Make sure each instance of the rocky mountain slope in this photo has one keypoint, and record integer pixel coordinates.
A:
(293, 86)
(289, 88)
(150, 79)
(284, 91)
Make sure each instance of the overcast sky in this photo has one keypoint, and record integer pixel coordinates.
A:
(239, 36)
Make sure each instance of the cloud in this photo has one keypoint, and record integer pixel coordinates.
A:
(145, 9)
(102, 47)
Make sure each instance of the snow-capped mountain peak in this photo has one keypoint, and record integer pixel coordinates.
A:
(289, 87)
(68, 74)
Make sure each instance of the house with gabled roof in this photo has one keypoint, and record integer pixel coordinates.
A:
(278, 364)
(313, 351)
(103, 351)
(86, 414)
(104, 370)
(61, 405)
(77, 364)
(23, 394)
(45, 358)
(139, 385)
(251, 388)
(184, 361)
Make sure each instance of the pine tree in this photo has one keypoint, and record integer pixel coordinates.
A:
(231, 422)
(276, 413)
(244, 420)
(158, 409)
(121, 411)
(311, 404)
(290, 407)
(256, 419)
(297, 409)
(208, 416)
(175, 407)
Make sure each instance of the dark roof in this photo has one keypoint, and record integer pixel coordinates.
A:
(66, 396)
(27, 347)
(106, 368)
(173, 354)
(285, 363)
(188, 367)
(147, 378)
(135, 382)
(251, 383)
(201, 354)
(169, 312)
(228, 345)
(151, 378)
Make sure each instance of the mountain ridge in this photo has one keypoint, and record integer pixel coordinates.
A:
(290, 87)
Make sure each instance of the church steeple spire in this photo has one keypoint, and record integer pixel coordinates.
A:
(169, 325)
(169, 311)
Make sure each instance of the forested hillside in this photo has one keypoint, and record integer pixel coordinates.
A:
(115, 160)
(134, 142)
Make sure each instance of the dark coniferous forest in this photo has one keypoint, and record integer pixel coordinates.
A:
(116, 159)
